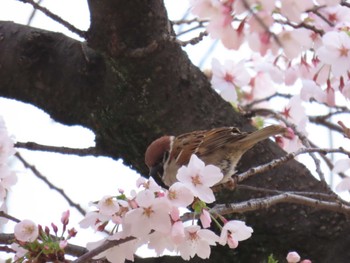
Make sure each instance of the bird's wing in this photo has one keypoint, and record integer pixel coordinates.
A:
(203, 143)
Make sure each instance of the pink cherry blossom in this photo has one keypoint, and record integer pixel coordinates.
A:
(226, 78)
(311, 90)
(335, 14)
(328, 2)
(293, 257)
(292, 9)
(233, 232)
(205, 218)
(295, 41)
(306, 261)
(7, 179)
(342, 166)
(197, 242)
(344, 185)
(206, 8)
(179, 195)
(199, 177)
(152, 214)
(108, 205)
(93, 219)
(6, 144)
(160, 242)
(26, 231)
(336, 52)
(116, 254)
(220, 27)
(178, 233)
(20, 251)
(149, 184)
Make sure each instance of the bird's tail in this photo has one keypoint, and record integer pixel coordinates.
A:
(253, 138)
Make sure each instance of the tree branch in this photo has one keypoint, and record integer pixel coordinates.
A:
(55, 17)
(55, 149)
(51, 185)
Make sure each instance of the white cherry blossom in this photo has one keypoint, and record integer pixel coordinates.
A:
(199, 177)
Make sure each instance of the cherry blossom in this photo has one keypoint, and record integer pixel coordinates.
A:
(293, 257)
(295, 41)
(197, 242)
(20, 251)
(160, 242)
(116, 254)
(149, 184)
(94, 219)
(108, 205)
(152, 214)
(7, 179)
(179, 195)
(26, 231)
(206, 8)
(233, 232)
(226, 78)
(6, 144)
(293, 8)
(294, 112)
(335, 51)
(311, 90)
(199, 177)
(342, 166)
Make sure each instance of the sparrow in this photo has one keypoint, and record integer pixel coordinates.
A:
(222, 147)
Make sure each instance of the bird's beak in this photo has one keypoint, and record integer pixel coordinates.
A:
(156, 171)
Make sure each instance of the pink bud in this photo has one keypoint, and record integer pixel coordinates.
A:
(54, 227)
(205, 218)
(65, 218)
(293, 257)
(47, 230)
(72, 232)
(306, 261)
(289, 134)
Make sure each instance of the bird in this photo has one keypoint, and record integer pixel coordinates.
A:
(222, 147)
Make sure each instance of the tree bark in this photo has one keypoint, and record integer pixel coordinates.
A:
(130, 83)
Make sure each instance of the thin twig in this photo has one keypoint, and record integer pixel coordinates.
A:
(194, 40)
(55, 149)
(269, 166)
(56, 18)
(33, 14)
(5, 215)
(267, 202)
(254, 102)
(51, 185)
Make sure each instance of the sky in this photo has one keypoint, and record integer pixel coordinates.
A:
(84, 179)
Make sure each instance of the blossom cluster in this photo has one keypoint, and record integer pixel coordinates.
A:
(33, 242)
(304, 45)
(152, 216)
(7, 177)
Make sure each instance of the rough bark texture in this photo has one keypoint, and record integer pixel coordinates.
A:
(130, 83)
